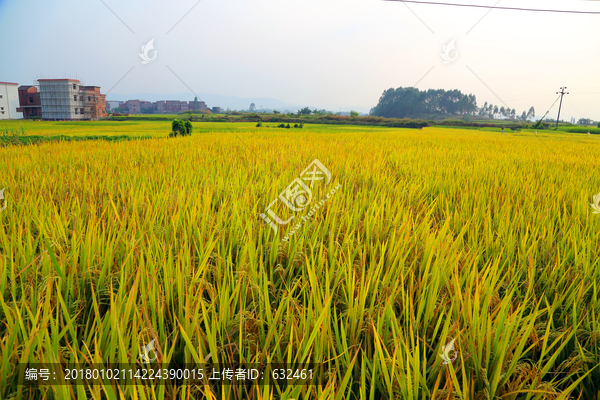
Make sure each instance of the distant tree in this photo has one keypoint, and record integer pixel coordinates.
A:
(483, 110)
(252, 107)
(411, 102)
(598, 124)
(487, 110)
(304, 111)
(276, 112)
(315, 111)
(524, 116)
(354, 113)
(585, 121)
(531, 113)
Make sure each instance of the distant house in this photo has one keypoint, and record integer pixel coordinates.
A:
(147, 105)
(197, 105)
(159, 107)
(67, 99)
(173, 106)
(9, 101)
(95, 102)
(30, 102)
(134, 106)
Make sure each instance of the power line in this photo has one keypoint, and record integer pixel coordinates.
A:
(550, 108)
(497, 8)
(562, 93)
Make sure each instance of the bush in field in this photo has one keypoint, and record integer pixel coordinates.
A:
(259, 124)
(295, 125)
(288, 126)
(281, 126)
(178, 127)
(181, 128)
(538, 125)
(188, 128)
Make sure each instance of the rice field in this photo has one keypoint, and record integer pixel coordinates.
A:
(434, 237)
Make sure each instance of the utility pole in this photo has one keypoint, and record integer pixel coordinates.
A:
(562, 93)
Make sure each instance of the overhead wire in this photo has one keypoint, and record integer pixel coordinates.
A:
(498, 8)
(550, 108)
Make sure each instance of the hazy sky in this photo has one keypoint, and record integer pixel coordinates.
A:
(323, 53)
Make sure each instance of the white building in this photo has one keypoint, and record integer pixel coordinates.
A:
(61, 99)
(9, 101)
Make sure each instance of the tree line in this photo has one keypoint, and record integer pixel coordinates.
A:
(412, 102)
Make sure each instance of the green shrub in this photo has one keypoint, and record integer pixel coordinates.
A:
(288, 126)
(188, 128)
(538, 125)
(178, 127)
(259, 124)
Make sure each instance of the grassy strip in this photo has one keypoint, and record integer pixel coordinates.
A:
(31, 139)
(580, 129)
(356, 121)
